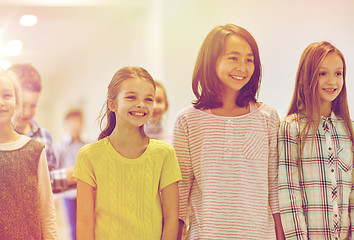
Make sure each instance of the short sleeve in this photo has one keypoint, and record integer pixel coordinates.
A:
(84, 169)
(170, 172)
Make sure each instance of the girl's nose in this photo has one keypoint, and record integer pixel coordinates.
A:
(240, 66)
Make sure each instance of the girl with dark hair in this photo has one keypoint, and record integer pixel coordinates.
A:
(127, 182)
(226, 144)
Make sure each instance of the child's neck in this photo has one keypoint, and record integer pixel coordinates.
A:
(230, 108)
(326, 110)
(23, 129)
(129, 143)
(7, 134)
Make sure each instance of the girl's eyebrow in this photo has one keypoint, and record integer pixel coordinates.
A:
(237, 53)
(338, 68)
(132, 92)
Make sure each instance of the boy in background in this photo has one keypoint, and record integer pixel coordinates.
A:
(24, 123)
(66, 152)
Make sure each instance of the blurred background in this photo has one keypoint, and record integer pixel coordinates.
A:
(77, 46)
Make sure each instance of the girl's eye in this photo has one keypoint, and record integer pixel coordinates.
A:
(7, 96)
(130, 97)
(339, 73)
(321, 74)
(233, 58)
(149, 99)
(249, 60)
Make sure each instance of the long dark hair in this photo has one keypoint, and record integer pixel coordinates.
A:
(206, 84)
(112, 92)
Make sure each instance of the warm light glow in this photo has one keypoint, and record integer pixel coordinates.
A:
(5, 64)
(28, 20)
(13, 47)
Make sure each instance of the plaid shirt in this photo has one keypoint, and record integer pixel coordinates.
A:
(314, 203)
(44, 137)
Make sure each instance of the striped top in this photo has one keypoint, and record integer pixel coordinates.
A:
(315, 190)
(229, 170)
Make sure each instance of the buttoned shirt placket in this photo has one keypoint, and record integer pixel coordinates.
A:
(333, 166)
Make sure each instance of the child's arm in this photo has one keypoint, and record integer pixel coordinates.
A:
(181, 145)
(351, 207)
(85, 211)
(279, 232)
(46, 203)
(181, 230)
(273, 174)
(169, 199)
(290, 193)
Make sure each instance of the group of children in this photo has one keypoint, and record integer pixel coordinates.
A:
(235, 171)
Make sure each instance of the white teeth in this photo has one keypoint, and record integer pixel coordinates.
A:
(137, 113)
(237, 77)
(329, 90)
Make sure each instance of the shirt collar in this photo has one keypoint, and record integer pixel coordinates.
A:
(331, 119)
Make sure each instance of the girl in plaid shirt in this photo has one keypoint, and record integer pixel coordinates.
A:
(315, 145)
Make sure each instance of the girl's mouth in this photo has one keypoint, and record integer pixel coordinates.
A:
(139, 114)
(237, 77)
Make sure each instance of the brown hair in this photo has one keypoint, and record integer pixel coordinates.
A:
(28, 77)
(112, 92)
(306, 100)
(206, 84)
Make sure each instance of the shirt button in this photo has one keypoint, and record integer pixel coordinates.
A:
(329, 148)
(332, 170)
(335, 215)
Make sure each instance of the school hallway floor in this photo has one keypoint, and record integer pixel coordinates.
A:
(62, 222)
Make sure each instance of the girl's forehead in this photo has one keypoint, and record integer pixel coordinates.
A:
(137, 84)
(6, 83)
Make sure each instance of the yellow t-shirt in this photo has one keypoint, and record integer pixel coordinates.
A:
(127, 202)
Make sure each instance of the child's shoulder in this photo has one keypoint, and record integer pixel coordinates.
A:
(160, 146)
(291, 123)
(95, 147)
(267, 111)
(189, 112)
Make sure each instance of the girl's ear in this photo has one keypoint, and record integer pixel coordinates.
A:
(112, 105)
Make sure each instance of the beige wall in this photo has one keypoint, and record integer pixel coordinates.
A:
(82, 47)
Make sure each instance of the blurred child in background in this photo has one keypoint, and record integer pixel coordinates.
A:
(154, 127)
(66, 152)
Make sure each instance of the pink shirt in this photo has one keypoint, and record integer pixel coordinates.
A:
(229, 169)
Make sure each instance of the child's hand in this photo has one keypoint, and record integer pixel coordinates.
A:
(69, 176)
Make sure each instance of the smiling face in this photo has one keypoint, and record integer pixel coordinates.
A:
(235, 66)
(330, 82)
(23, 118)
(8, 101)
(134, 104)
(160, 104)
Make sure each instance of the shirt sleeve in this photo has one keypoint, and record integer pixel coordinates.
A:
(181, 144)
(58, 180)
(51, 159)
(170, 169)
(351, 202)
(46, 202)
(290, 193)
(84, 169)
(273, 164)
